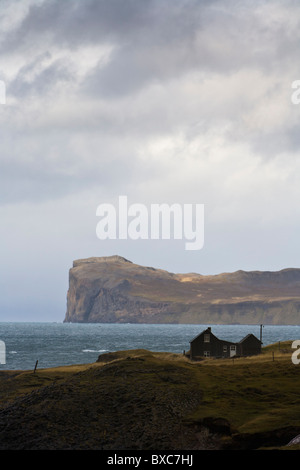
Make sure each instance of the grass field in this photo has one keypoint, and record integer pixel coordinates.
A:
(141, 399)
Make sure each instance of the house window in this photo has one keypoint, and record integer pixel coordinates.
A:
(225, 348)
(206, 353)
(232, 348)
(206, 338)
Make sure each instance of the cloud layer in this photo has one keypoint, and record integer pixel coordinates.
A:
(164, 101)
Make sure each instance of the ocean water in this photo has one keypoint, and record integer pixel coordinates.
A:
(57, 344)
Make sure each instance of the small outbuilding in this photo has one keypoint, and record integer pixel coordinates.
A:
(249, 346)
(206, 344)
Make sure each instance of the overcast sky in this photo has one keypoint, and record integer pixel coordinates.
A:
(165, 101)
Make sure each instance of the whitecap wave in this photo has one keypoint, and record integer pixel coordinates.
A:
(94, 350)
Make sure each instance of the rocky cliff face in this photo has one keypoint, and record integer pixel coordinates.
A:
(115, 290)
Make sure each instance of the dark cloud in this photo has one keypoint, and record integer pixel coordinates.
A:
(155, 40)
(75, 23)
(36, 79)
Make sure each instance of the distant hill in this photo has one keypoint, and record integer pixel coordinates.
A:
(115, 290)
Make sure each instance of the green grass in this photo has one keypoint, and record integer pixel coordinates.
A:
(253, 398)
(149, 390)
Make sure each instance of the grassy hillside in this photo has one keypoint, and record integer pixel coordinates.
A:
(144, 400)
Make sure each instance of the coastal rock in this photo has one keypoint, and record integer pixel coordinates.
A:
(115, 290)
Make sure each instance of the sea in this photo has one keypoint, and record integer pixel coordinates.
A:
(62, 344)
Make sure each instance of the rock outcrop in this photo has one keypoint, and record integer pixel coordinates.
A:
(115, 290)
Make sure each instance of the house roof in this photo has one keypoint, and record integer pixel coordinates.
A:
(247, 336)
(208, 330)
(204, 331)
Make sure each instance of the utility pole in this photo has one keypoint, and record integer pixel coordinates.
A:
(261, 327)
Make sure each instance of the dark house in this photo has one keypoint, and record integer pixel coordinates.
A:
(206, 344)
(249, 346)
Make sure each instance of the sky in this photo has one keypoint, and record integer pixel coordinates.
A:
(162, 101)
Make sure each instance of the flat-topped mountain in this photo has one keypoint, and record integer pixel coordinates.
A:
(115, 290)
